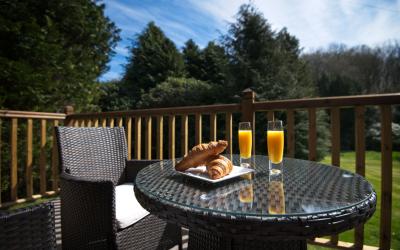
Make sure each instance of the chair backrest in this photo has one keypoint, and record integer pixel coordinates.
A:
(93, 153)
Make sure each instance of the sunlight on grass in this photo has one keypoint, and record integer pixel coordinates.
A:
(373, 174)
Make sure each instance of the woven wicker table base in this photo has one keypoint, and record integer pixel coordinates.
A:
(211, 241)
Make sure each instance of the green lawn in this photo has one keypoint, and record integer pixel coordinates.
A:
(373, 174)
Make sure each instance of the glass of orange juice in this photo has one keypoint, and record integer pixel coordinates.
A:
(245, 142)
(275, 141)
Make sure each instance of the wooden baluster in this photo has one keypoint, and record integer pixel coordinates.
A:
(387, 177)
(160, 134)
(312, 134)
(335, 139)
(96, 122)
(290, 133)
(82, 123)
(184, 134)
(213, 127)
(76, 123)
(360, 164)
(228, 132)
(138, 137)
(104, 122)
(29, 160)
(14, 159)
(198, 136)
(171, 136)
(148, 138)
(270, 115)
(128, 131)
(1, 124)
(111, 122)
(54, 159)
(88, 122)
(42, 157)
(120, 121)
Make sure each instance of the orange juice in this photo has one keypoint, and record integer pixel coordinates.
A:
(275, 146)
(245, 141)
(246, 194)
(276, 198)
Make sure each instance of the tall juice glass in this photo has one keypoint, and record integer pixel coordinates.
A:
(275, 141)
(245, 142)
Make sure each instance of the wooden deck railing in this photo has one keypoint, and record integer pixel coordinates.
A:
(43, 122)
(155, 141)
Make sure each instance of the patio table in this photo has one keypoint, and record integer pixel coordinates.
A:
(311, 200)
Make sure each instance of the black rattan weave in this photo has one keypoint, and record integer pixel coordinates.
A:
(319, 200)
(93, 162)
(28, 228)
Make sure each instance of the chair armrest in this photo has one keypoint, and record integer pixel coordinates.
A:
(87, 211)
(134, 166)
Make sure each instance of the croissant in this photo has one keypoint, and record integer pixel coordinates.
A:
(218, 166)
(200, 154)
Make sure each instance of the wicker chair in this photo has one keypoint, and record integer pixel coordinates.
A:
(94, 165)
(28, 228)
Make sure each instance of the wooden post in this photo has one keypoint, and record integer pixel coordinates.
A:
(171, 136)
(111, 122)
(228, 132)
(138, 137)
(270, 115)
(104, 122)
(213, 127)
(148, 138)
(387, 177)
(198, 136)
(54, 159)
(68, 110)
(14, 159)
(360, 164)
(29, 161)
(335, 140)
(128, 131)
(184, 134)
(42, 157)
(290, 133)
(312, 134)
(248, 97)
(160, 137)
(120, 121)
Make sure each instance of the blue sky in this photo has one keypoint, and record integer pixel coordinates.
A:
(316, 23)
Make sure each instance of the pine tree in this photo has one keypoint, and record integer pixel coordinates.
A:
(192, 58)
(154, 58)
(215, 64)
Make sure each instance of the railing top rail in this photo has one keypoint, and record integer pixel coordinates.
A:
(32, 115)
(163, 111)
(324, 102)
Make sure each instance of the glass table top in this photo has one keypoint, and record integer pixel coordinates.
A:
(305, 188)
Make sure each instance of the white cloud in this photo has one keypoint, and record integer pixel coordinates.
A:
(317, 23)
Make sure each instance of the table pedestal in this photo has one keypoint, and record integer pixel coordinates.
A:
(210, 241)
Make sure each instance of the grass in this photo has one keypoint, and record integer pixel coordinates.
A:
(373, 175)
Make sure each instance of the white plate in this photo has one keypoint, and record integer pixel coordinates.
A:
(201, 173)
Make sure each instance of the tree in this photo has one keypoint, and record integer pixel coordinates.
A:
(192, 58)
(215, 64)
(178, 92)
(266, 61)
(52, 53)
(153, 59)
(112, 97)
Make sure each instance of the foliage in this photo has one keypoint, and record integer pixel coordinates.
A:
(52, 52)
(178, 92)
(112, 97)
(154, 58)
(193, 60)
(266, 61)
